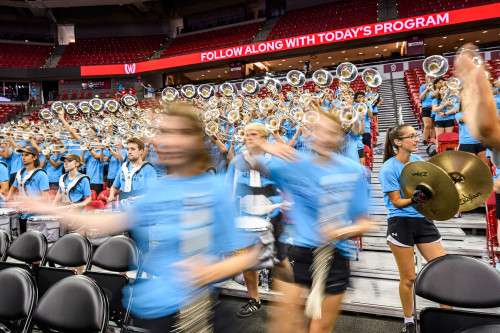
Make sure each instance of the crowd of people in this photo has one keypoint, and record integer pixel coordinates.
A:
(236, 185)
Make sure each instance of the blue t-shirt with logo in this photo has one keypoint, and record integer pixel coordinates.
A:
(16, 161)
(389, 175)
(349, 147)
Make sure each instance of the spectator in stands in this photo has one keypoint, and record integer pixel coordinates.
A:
(444, 112)
(123, 92)
(120, 86)
(466, 141)
(131, 90)
(33, 94)
(307, 69)
(149, 90)
(426, 91)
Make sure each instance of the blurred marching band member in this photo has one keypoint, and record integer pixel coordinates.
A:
(466, 141)
(444, 112)
(53, 164)
(359, 97)
(426, 90)
(94, 161)
(369, 93)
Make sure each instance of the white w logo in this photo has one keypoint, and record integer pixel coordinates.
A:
(130, 68)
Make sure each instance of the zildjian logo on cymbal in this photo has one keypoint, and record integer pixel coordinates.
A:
(469, 198)
(420, 174)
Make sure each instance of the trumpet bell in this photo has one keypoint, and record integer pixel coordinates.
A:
(213, 101)
(371, 77)
(212, 128)
(71, 109)
(170, 94)
(112, 106)
(232, 116)
(84, 107)
(239, 134)
(228, 89)
(361, 109)
(45, 114)
(272, 123)
(474, 56)
(266, 104)
(250, 87)
(273, 85)
(189, 91)
(435, 65)
(96, 105)
(58, 107)
(295, 78)
(310, 118)
(454, 83)
(348, 116)
(322, 78)
(305, 99)
(129, 100)
(206, 91)
(236, 103)
(346, 72)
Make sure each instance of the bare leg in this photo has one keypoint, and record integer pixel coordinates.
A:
(252, 283)
(330, 310)
(432, 251)
(448, 129)
(406, 265)
(428, 127)
(439, 130)
(288, 315)
(482, 156)
(283, 271)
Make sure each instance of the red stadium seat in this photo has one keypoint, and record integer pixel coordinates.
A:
(492, 229)
(93, 195)
(15, 55)
(447, 141)
(408, 8)
(95, 204)
(368, 157)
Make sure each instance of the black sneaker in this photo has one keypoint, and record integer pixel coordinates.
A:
(250, 308)
(409, 328)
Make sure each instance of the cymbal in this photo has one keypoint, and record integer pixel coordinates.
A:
(471, 176)
(444, 203)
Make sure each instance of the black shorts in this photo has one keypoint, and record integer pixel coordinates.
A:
(338, 276)
(407, 231)
(54, 186)
(426, 112)
(109, 182)
(282, 249)
(444, 123)
(474, 148)
(367, 139)
(361, 153)
(12, 178)
(97, 188)
(497, 205)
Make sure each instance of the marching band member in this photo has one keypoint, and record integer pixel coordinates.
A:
(466, 141)
(31, 181)
(53, 165)
(327, 191)
(426, 99)
(74, 187)
(117, 157)
(444, 112)
(368, 93)
(249, 184)
(95, 164)
(16, 162)
(190, 224)
(406, 227)
(134, 177)
(4, 180)
(359, 97)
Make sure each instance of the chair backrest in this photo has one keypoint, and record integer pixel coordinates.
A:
(71, 250)
(18, 296)
(29, 247)
(4, 243)
(75, 304)
(459, 281)
(117, 254)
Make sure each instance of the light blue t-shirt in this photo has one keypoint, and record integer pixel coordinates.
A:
(194, 216)
(54, 173)
(4, 176)
(36, 185)
(16, 162)
(141, 181)
(290, 128)
(464, 135)
(349, 147)
(446, 109)
(303, 144)
(80, 191)
(389, 175)
(237, 149)
(427, 101)
(335, 192)
(154, 159)
(95, 168)
(114, 164)
(217, 158)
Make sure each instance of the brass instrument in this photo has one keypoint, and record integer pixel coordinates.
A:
(435, 65)
(206, 91)
(273, 85)
(189, 91)
(228, 89)
(348, 116)
(170, 94)
(346, 72)
(46, 114)
(129, 100)
(272, 123)
(250, 87)
(371, 77)
(96, 105)
(112, 106)
(322, 78)
(58, 107)
(295, 78)
(84, 107)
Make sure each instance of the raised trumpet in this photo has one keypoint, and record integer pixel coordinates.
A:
(475, 57)
(96, 105)
(272, 123)
(273, 85)
(295, 78)
(170, 94)
(206, 91)
(129, 100)
(233, 116)
(266, 104)
(112, 106)
(322, 78)
(58, 107)
(45, 114)
(84, 107)
(189, 91)
(348, 116)
(228, 89)
(71, 109)
(305, 99)
(239, 134)
(346, 72)
(435, 65)
(250, 87)
(212, 128)
(310, 118)
(361, 109)
(371, 77)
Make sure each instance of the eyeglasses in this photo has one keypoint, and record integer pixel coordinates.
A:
(411, 137)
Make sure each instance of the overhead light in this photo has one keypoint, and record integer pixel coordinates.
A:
(300, 61)
(329, 57)
(456, 47)
(283, 60)
(360, 53)
(197, 78)
(477, 41)
(343, 51)
(317, 62)
(440, 45)
(461, 39)
(445, 37)
(485, 31)
(26, 40)
(279, 64)
(376, 54)
(290, 66)
(202, 74)
(225, 72)
(346, 58)
(376, 47)
(385, 50)
(208, 71)
(218, 75)
(397, 45)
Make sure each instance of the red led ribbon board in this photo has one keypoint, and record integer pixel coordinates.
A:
(327, 37)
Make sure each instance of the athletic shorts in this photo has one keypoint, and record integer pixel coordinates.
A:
(361, 153)
(407, 231)
(497, 203)
(281, 249)
(97, 188)
(426, 112)
(54, 186)
(474, 148)
(338, 275)
(109, 182)
(444, 123)
(367, 139)
(12, 179)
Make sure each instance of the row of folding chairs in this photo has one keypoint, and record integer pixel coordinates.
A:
(49, 267)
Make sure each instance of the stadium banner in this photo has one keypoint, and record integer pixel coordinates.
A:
(416, 23)
(96, 84)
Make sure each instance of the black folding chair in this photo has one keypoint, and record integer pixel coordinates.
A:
(72, 250)
(18, 297)
(457, 281)
(29, 248)
(74, 304)
(117, 254)
(4, 243)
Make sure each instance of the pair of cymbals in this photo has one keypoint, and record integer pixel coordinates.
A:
(458, 181)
